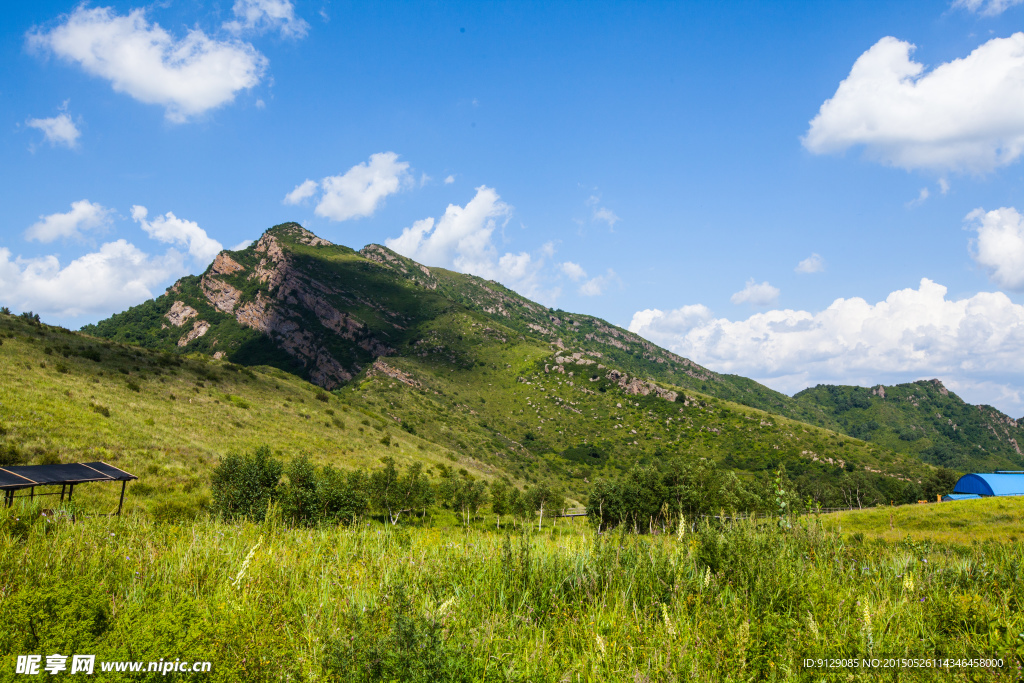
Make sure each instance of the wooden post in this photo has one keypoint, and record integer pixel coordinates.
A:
(123, 485)
(32, 493)
(71, 491)
(62, 486)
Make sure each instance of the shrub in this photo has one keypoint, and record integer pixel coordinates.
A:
(49, 458)
(323, 396)
(391, 642)
(61, 368)
(102, 410)
(10, 455)
(244, 485)
(133, 386)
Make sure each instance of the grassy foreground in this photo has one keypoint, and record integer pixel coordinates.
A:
(417, 603)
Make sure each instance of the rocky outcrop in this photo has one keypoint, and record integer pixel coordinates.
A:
(379, 367)
(637, 387)
(220, 294)
(225, 265)
(200, 328)
(180, 313)
(879, 391)
(415, 272)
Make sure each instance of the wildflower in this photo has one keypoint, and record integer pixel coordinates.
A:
(908, 582)
(600, 643)
(668, 622)
(707, 577)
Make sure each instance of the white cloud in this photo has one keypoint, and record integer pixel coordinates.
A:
(999, 248)
(260, 16)
(170, 229)
(920, 199)
(755, 294)
(303, 191)
(574, 271)
(943, 185)
(111, 279)
(84, 215)
(596, 286)
(987, 8)
(360, 191)
(58, 130)
(606, 215)
(244, 244)
(449, 180)
(967, 114)
(187, 76)
(812, 264)
(462, 240)
(913, 334)
(601, 213)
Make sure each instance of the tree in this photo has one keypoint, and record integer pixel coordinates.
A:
(300, 502)
(499, 499)
(393, 493)
(243, 486)
(469, 496)
(542, 496)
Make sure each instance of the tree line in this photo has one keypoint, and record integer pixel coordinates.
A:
(244, 486)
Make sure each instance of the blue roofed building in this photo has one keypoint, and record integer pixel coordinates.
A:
(1000, 483)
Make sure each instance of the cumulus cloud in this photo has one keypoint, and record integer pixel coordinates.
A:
(912, 334)
(967, 114)
(449, 180)
(303, 191)
(84, 215)
(59, 130)
(362, 188)
(596, 286)
(462, 239)
(573, 271)
(260, 16)
(116, 276)
(943, 185)
(812, 264)
(170, 229)
(186, 76)
(755, 294)
(987, 8)
(999, 247)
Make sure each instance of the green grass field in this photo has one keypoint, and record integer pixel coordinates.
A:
(999, 520)
(430, 601)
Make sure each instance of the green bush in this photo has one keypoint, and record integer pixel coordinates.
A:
(244, 485)
(393, 643)
(102, 410)
(10, 455)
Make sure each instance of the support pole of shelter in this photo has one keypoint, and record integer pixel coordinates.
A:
(32, 493)
(62, 487)
(121, 502)
(71, 491)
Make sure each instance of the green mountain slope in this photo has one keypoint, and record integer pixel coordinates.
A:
(325, 312)
(926, 420)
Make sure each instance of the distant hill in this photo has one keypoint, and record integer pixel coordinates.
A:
(923, 419)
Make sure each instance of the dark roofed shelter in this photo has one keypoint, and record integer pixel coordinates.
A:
(66, 476)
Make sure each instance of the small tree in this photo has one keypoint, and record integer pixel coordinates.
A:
(300, 499)
(542, 496)
(243, 485)
(394, 494)
(499, 499)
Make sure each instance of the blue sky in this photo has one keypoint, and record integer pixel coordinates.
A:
(668, 167)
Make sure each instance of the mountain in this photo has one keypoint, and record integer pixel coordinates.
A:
(325, 312)
(514, 389)
(926, 420)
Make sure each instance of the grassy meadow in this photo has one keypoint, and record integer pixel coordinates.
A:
(428, 601)
(964, 522)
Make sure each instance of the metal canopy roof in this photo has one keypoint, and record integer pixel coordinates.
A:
(25, 476)
(995, 484)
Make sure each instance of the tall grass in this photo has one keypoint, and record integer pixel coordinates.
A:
(265, 602)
